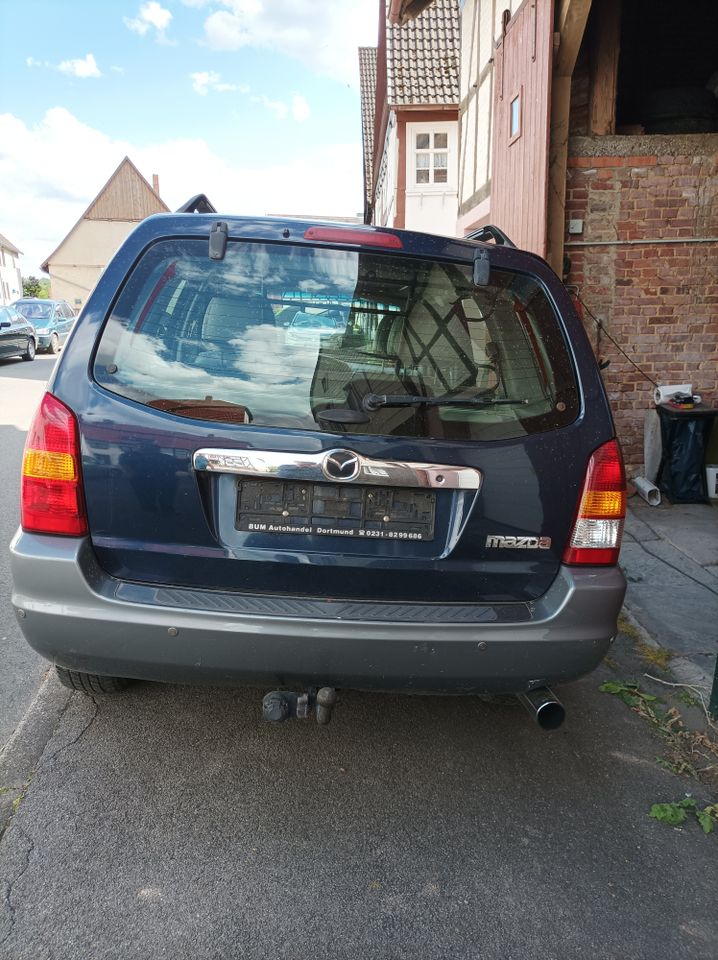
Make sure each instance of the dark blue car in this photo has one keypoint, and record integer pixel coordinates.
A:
(18, 337)
(431, 501)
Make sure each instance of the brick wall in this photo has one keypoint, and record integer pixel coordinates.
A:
(659, 300)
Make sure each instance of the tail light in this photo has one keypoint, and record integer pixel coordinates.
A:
(596, 535)
(360, 238)
(52, 500)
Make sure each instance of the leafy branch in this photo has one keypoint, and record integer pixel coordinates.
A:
(677, 813)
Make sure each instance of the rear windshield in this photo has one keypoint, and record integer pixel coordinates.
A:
(300, 337)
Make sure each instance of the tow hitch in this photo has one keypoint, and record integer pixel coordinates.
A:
(281, 705)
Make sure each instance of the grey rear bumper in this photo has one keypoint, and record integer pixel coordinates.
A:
(77, 616)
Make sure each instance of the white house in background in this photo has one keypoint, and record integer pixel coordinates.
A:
(75, 266)
(10, 276)
(410, 118)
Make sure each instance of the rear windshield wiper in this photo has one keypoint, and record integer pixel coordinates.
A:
(372, 401)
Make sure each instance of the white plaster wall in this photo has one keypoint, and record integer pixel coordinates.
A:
(11, 285)
(386, 184)
(468, 150)
(77, 265)
(481, 28)
(432, 207)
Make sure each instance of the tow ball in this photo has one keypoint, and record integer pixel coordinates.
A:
(281, 705)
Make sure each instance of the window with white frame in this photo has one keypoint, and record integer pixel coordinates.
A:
(431, 152)
(515, 116)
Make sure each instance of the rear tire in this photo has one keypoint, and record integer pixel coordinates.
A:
(54, 344)
(90, 682)
(30, 352)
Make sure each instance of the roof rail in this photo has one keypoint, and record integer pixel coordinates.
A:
(198, 204)
(490, 232)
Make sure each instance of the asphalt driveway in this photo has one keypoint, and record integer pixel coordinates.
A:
(21, 387)
(173, 822)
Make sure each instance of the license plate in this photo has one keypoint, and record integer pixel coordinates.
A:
(335, 510)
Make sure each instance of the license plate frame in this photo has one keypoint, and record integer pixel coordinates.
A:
(295, 507)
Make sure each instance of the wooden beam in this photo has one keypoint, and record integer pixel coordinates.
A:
(572, 17)
(557, 158)
(402, 11)
(605, 48)
(571, 23)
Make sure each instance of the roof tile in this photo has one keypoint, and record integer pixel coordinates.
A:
(422, 58)
(367, 86)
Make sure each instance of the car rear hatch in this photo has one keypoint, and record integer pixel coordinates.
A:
(424, 438)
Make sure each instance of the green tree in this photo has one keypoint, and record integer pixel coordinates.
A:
(31, 287)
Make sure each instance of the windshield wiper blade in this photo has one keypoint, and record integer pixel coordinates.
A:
(372, 401)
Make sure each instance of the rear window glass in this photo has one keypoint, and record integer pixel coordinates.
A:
(300, 337)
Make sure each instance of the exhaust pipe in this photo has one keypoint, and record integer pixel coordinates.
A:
(544, 707)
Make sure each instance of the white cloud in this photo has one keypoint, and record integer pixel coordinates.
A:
(84, 68)
(207, 80)
(322, 34)
(151, 16)
(41, 201)
(118, 69)
(278, 107)
(80, 68)
(300, 108)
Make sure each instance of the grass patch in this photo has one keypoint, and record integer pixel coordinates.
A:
(690, 752)
(654, 656)
(687, 698)
(628, 629)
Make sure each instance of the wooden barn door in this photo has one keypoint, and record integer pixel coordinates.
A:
(521, 123)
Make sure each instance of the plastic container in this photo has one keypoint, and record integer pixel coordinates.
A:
(649, 491)
(712, 480)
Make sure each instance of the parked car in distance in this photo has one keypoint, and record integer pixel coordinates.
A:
(52, 319)
(325, 325)
(430, 500)
(17, 335)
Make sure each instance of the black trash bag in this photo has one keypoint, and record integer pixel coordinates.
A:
(682, 475)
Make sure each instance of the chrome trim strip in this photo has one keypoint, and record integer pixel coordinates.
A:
(310, 467)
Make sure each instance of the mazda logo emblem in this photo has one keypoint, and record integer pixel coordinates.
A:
(341, 465)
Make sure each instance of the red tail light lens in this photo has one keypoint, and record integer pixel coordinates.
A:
(596, 535)
(52, 500)
(360, 238)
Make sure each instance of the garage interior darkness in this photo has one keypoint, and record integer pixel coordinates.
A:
(666, 46)
(644, 67)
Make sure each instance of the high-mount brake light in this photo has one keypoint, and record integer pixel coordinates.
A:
(52, 500)
(596, 535)
(359, 238)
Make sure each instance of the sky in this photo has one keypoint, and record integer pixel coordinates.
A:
(253, 102)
